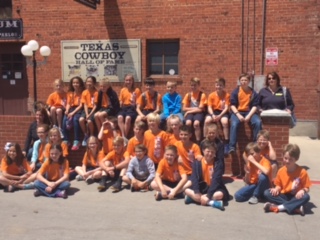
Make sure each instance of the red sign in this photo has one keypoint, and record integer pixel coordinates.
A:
(272, 56)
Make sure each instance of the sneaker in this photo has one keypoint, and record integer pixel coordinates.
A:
(79, 178)
(37, 193)
(75, 145)
(226, 149)
(62, 194)
(158, 196)
(28, 186)
(116, 187)
(231, 150)
(300, 210)
(89, 180)
(188, 200)
(101, 187)
(61, 133)
(218, 204)
(84, 142)
(11, 188)
(253, 200)
(269, 207)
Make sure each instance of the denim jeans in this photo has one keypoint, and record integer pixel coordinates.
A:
(42, 188)
(235, 122)
(289, 201)
(76, 127)
(256, 190)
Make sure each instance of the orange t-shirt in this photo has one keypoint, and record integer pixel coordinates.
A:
(207, 171)
(53, 171)
(128, 98)
(116, 158)
(13, 168)
(183, 152)
(107, 140)
(172, 138)
(285, 179)
(171, 173)
(64, 147)
(89, 160)
(244, 100)
(192, 101)
(155, 150)
(218, 103)
(254, 176)
(74, 99)
(131, 145)
(58, 100)
(149, 104)
(41, 152)
(88, 98)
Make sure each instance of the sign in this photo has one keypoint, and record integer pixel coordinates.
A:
(101, 58)
(272, 56)
(89, 3)
(11, 29)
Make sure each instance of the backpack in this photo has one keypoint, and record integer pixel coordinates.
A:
(198, 99)
(293, 121)
(154, 100)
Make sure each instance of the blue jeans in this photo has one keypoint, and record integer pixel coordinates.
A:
(42, 188)
(76, 127)
(289, 201)
(235, 122)
(256, 190)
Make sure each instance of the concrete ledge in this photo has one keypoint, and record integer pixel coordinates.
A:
(274, 113)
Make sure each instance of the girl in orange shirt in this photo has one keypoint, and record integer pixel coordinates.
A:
(173, 125)
(128, 98)
(15, 169)
(55, 139)
(53, 177)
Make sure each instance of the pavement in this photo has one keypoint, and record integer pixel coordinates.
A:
(89, 214)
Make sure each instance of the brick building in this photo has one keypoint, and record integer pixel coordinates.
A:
(201, 38)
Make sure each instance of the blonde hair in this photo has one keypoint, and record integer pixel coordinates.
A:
(118, 140)
(264, 133)
(293, 150)
(212, 126)
(153, 117)
(195, 80)
(173, 83)
(104, 82)
(56, 81)
(140, 125)
(173, 117)
(52, 131)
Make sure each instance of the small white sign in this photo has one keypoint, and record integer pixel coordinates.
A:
(17, 75)
(13, 82)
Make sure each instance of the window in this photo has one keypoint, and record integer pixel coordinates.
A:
(163, 56)
(5, 9)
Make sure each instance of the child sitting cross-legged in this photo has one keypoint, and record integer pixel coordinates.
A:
(170, 176)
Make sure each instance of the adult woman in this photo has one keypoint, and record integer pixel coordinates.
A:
(42, 117)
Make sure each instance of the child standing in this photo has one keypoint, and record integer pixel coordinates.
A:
(57, 102)
(244, 101)
(149, 101)
(15, 170)
(140, 171)
(292, 185)
(258, 176)
(173, 128)
(193, 106)
(109, 130)
(218, 108)
(90, 169)
(52, 178)
(89, 100)
(170, 176)
(128, 99)
(107, 104)
(73, 111)
(139, 129)
(207, 187)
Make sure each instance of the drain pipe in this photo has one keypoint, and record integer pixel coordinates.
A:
(242, 35)
(264, 10)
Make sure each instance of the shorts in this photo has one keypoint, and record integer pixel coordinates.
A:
(195, 117)
(274, 162)
(170, 184)
(217, 112)
(83, 114)
(128, 111)
(147, 111)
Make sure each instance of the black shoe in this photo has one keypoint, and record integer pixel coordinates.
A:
(37, 193)
(116, 187)
(158, 196)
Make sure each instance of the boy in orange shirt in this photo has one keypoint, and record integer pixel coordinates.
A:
(114, 165)
(207, 187)
(108, 132)
(170, 176)
(292, 185)
(193, 106)
(139, 129)
(155, 139)
(258, 176)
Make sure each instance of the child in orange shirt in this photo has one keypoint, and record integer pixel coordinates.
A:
(155, 139)
(193, 106)
(52, 178)
(170, 176)
(218, 107)
(73, 112)
(149, 101)
(207, 187)
(173, 125)
(89, 99)
(15, 170)
(114, 165)
(55, 139)
(258, 176)
(57, 102)
(139, 129)
(90, 169)
(128, 99)
(187, 150)
(292, 185)
(109, 130)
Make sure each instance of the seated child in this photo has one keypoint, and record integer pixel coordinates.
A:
(149, 101)
(170, 176)
(140, 171)
(244, 101)
(90, 169)
(292, 185)
(15, 170)
(258, 176)
(173, 128)
(193, 106)
(109, 130)
(114, 165)
(37, 158)
(55, 139)
(218, 110)
(138, 130)
(53, 176)
(207, 187)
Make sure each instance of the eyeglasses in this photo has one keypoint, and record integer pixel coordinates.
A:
(271, 78)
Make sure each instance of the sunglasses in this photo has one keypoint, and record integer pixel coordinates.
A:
(271, 78)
